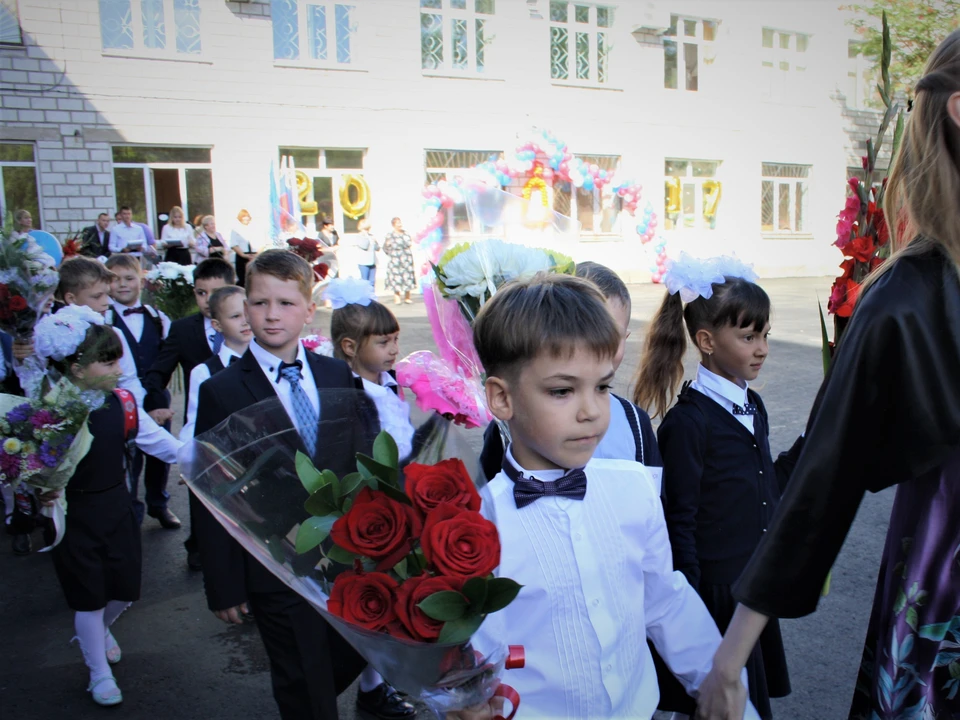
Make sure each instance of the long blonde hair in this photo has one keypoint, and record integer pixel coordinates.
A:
(922, 200)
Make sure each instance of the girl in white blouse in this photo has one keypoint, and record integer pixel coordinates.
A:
(177, 238)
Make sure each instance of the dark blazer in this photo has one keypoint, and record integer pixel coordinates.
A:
(91, 245)
(722, 486)
(186, 344)
(11, 383)
(229, 572)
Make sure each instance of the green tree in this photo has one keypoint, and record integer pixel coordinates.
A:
(916, 27)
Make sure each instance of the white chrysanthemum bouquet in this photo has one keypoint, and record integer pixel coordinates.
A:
(171, 286)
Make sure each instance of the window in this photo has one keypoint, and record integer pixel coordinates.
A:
(454, 34)
(597, 211)
(18, 181)
(151, 180)
(9, 23)
(580, 42)
(324, 176)
(861, 78)
(318, 33)
(151, 27)
(691, 194)
(783, 63)
(447, 165)
(696, 45)
(783, 198)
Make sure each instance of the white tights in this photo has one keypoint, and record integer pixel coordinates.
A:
(92, 629)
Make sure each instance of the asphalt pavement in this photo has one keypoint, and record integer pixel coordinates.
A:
(181, 663)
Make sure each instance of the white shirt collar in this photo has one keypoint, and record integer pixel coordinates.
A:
(120, 307)
(226, 354)
(270, 363)
(541, 475)
(721, 386)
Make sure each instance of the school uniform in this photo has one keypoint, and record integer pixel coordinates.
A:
(99, 558)
(200, 374)
(393, 413)
(722, 490)
(596, 573)
(144, 328)
(310, 662)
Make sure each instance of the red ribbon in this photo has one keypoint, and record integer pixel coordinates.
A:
(515, 657)
(508, 693)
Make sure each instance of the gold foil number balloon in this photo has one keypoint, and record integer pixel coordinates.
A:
(355, 209)
(304, 191)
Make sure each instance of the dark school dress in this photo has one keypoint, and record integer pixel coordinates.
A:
(178, 255)
(719, 499)
(99, 557)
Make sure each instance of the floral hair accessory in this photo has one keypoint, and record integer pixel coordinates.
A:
(349, 291)
(58, 336)
(694, 278)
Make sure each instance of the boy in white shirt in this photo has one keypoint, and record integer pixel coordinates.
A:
(585, 538)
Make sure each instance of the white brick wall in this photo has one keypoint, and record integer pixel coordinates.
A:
(75, 100)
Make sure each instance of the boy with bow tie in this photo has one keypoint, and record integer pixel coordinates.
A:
(585, 538)
(144, 328)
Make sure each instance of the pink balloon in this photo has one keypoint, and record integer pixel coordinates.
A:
(657, 277)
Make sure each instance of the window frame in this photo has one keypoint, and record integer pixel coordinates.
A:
(38, 216)
(593, 31)
(781, 88)
(336, 176)
(169, 50)
(599, 198)
(448, 14)
(705, 48)
(332, 61)
(696, 181)
(12, 7)
(792, 182)
(860, 69)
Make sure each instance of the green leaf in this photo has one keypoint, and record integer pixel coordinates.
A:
(330, 480)
(500, 593)
(318, 505)
(883, 95)
(339, 555)
(475, 590)
(934, 631)
(385, 450)
(329, 496)
(825, 354)
(347, 504)
(445, 605)
(313, 531)
(350, 483)
(459, 631)
(401, 569)
(371, 468)
(897, 137)
(900, 603)
(311, 478)
(954, 669)
(395, 493)
(887, 54)
(912, 618)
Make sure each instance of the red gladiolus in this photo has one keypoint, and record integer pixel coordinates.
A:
(861, 248)
(843, 297)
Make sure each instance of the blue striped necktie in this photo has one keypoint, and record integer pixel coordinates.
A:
(304, 414)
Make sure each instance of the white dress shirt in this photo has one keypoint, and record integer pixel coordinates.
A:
(392, 411)
(134, 321)
(198, 375)
(156, 441)
(270, 364)
(597, 581)
(726, 393)
(618, 442)
(123, 235)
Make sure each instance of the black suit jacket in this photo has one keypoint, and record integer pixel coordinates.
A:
(91, 245)
(186, 344)
(229, 572)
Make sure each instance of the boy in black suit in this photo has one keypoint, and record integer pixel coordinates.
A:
(189, 342)
(309, 662)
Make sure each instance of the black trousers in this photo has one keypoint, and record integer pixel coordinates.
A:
(310, 662)
(155, 476)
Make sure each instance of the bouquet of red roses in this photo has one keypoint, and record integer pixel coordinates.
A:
(398, 558)
(28, 280)
(313, 252)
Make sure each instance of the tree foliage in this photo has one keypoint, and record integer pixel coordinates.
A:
(916, 27)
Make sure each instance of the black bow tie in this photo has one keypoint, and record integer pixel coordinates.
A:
(526, 490)
(284, 365)
(233, 359)
(134, 311)
(747, 409)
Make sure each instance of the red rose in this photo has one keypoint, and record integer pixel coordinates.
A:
(860, 248)
(18, 304)
(378, 528)
(446, 482)
(843, 297)
(414, 591)
(459, 542)
(365, 599)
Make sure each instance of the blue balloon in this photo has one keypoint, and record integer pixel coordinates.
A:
(49, 244)
(588, 183)
(641, 228)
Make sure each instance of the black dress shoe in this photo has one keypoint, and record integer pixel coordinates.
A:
(193, 560)
(168, 521)
(385, 703)
(21, 544)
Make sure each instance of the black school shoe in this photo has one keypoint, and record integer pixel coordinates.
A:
(385, 703)
(21, 544)
(168, 521)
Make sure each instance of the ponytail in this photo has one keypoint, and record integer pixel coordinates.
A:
(661, 365)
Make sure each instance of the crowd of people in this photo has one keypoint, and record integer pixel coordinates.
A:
(654, 565)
